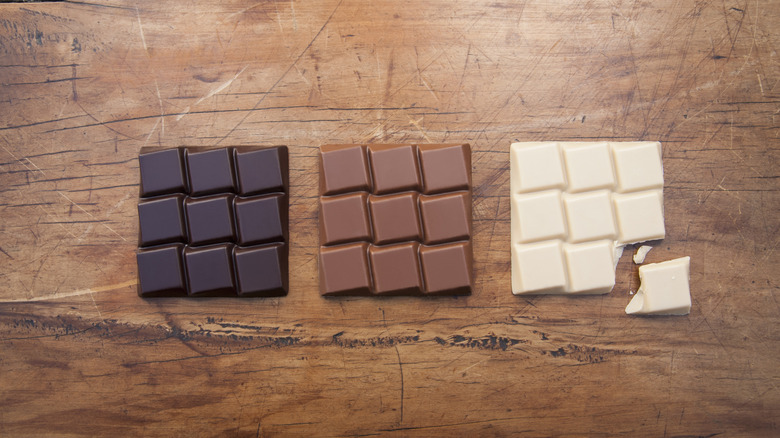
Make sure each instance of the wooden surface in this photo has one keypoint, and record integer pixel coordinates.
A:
(85, 86)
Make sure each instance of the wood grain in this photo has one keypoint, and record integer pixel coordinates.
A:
(85, 86)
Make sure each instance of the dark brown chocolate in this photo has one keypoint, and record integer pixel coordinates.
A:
(196, 204)
(161, 220)
(160, 271)
(395, 219)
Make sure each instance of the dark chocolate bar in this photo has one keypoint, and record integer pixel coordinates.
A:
(395, 219)
(213, 222)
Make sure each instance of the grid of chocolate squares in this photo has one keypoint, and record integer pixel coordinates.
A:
(213, 222)
(395, 219)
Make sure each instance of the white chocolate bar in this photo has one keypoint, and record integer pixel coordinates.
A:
(573, 204)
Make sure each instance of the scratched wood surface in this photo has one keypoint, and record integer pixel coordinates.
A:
(85, 86)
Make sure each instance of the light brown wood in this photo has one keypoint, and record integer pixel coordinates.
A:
(85, 86)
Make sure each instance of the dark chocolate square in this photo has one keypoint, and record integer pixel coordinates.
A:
(343, 168)
(396, 269)
(394, 168)
(210, 219)
(261, 171)
(210, 171)
(445, 167)
(162, 172)
(210, 270)
(261, 270)
(344, 270)
(260, 219)
(395, 218)
(344, 219)
(447, 268)
(161, 220)
(160, 271)
(445, 218)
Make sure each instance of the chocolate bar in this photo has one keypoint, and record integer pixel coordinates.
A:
(395, 219)
(213, 222)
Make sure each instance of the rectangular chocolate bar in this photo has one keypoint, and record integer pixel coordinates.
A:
(573, 204)
(395, 219)
(213, 222)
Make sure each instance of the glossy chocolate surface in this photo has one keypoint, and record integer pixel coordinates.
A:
(213, 222)
(395, 219)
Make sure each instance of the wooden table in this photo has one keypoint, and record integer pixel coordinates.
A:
(85, 86)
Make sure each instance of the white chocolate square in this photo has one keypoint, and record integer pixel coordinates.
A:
(588, 166)
(664, 289)
(539, 268)
(589, 216)
(581, 198)
(537, 216)
(638, 166)
(590, 267)
(536, 166)
(640, 216)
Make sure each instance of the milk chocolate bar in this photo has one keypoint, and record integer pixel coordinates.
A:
(395, 219)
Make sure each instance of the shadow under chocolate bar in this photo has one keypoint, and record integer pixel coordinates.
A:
(213, 221)
(395, 219)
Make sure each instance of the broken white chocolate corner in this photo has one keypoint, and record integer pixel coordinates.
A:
(664, 289)
(641, 253)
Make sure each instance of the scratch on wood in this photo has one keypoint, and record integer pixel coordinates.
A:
(6, 253)
(90, 215)
(401, 369)
(210, 93)
(141, 30)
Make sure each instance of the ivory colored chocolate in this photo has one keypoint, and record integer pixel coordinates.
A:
(664, 289)
(573, 204)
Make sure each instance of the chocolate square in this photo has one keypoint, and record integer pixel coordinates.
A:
(161, 220)
(160, 271)
(343, 168)
(260, 219)
(210, 219)
(210, 171)
(210, 270)
(396, 269)
(261, 270)
(344, 219)
(261, 171)
(445, 167)
(394, 168)
(344, 270)
(447, 268)
(162, 172)
(445, 218)
(395, 218)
